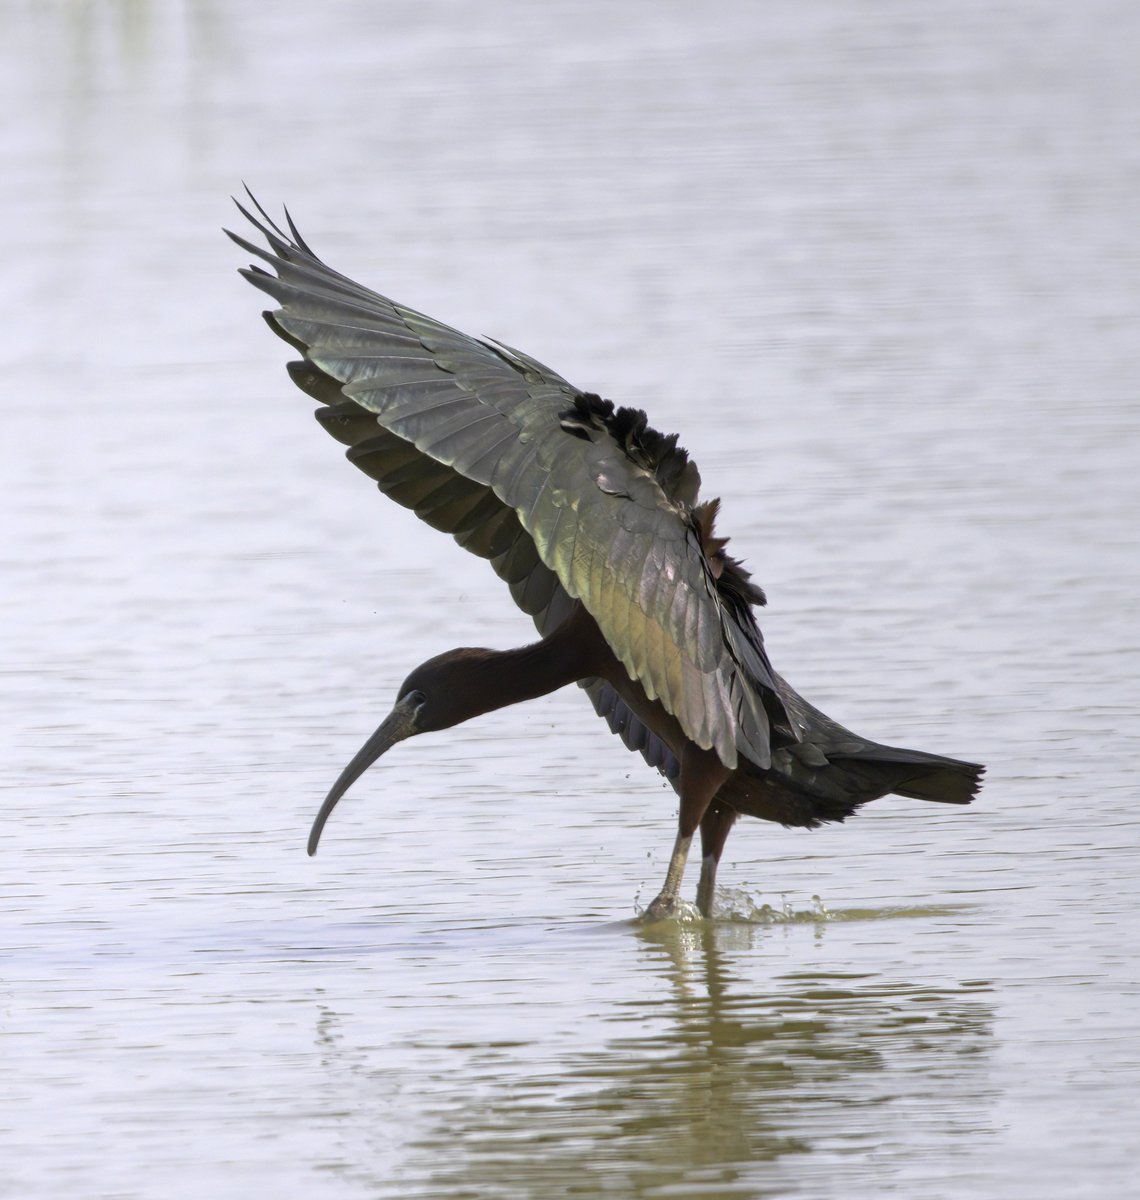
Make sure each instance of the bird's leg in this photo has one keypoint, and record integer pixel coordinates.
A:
(663, 903)
(702, 773)
(716, 825)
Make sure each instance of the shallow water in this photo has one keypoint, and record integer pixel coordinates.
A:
(880, 269)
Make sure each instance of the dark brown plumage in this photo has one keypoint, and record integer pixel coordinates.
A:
(592, 518)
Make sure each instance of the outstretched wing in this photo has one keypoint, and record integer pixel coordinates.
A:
(525, 470)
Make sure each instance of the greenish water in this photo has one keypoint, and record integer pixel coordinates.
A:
(878, 267)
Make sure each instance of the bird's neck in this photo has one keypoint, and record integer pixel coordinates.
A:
(507, 677)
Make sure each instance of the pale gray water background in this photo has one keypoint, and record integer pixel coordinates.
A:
(879, 264)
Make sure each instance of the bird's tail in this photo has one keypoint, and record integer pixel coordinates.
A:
(913, 773)
(807, 788)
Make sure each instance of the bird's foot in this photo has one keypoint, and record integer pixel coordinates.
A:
(664, 905)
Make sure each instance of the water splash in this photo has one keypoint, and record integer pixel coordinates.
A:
(738, 905)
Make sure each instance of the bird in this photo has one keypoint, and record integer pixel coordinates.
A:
(594, 521)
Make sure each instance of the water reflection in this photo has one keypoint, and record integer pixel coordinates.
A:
(705, 1081)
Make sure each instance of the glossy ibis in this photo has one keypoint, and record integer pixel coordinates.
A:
(592, 519)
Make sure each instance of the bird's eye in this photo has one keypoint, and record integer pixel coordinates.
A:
(417, 698)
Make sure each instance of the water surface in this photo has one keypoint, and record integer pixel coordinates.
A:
(879, 267)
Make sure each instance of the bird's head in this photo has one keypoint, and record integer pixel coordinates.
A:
(438, 694)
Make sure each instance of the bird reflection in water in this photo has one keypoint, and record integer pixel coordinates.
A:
(700, 1081)
(594, 521)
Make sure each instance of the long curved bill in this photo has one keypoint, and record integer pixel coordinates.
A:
(397, 726)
